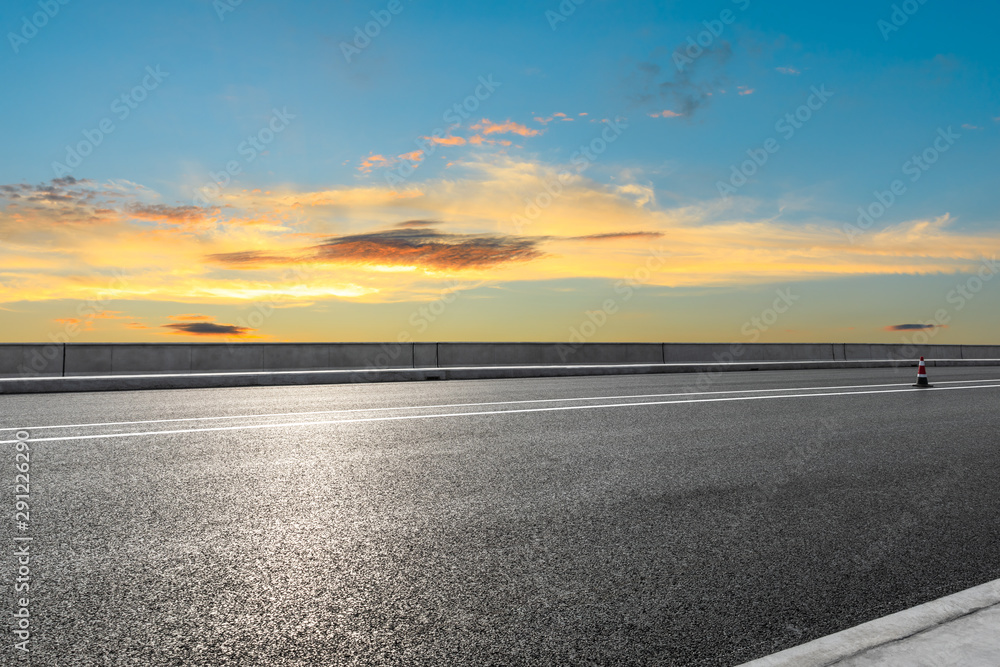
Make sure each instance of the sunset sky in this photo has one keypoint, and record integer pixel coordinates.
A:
(361, 170)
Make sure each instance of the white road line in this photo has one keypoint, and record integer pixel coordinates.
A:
(472, 405)
(487, 412)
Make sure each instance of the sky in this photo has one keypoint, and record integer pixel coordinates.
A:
(435, 170)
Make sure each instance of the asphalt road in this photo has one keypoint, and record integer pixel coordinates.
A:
(563, 521)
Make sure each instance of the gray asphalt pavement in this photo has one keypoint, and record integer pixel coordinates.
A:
(565, 521)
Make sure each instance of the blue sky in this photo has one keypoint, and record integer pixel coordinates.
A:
(224, 72)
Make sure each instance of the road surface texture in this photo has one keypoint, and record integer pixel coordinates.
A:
(565, 521)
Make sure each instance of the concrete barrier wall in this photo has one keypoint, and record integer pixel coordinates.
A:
(535, 354)
(980, 352)
(76, 359)
(31, 359)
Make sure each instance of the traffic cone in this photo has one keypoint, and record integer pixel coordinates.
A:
(922, 376)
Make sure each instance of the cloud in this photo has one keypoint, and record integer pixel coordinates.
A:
(418, 223)
(477, 140)
(414, 156)
(559, 116)
(488, 127)
(666, 113)
(373, 161)
(791, 71)
(743, 90)
(967, 126)
(209, 329)
(911, 327)
(447, 141)
(165, 213)
(691, 86)
(615, 236)
(407, 246)
(191, 318)
(371, 244)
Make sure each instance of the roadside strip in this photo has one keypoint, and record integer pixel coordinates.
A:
(499, 412)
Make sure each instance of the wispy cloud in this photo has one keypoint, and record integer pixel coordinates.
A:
(688, 89)
(488, 127)
(791, 71)
(666, 113)
(407, 246)
(192, 317)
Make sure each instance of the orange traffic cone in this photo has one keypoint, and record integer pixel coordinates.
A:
(922, 376)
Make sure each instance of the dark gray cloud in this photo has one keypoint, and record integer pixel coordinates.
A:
(403, 247)
(685, 84)
(163, 212)
(81, 199)
(911, 327)
(208, 329)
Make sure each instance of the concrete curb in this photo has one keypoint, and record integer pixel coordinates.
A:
(130, 382)
(830, 650)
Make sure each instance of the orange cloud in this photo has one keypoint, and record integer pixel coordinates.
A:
(477, 140)
(666, 113)
(371, 162)
(192, 318)
(743, 90)
(446, 141)
(559, 115)
(164, 213)
(415, 156)
(487, 127)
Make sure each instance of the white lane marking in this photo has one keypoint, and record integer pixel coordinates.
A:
(899, 363)
(472, 405)
(489, 412)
